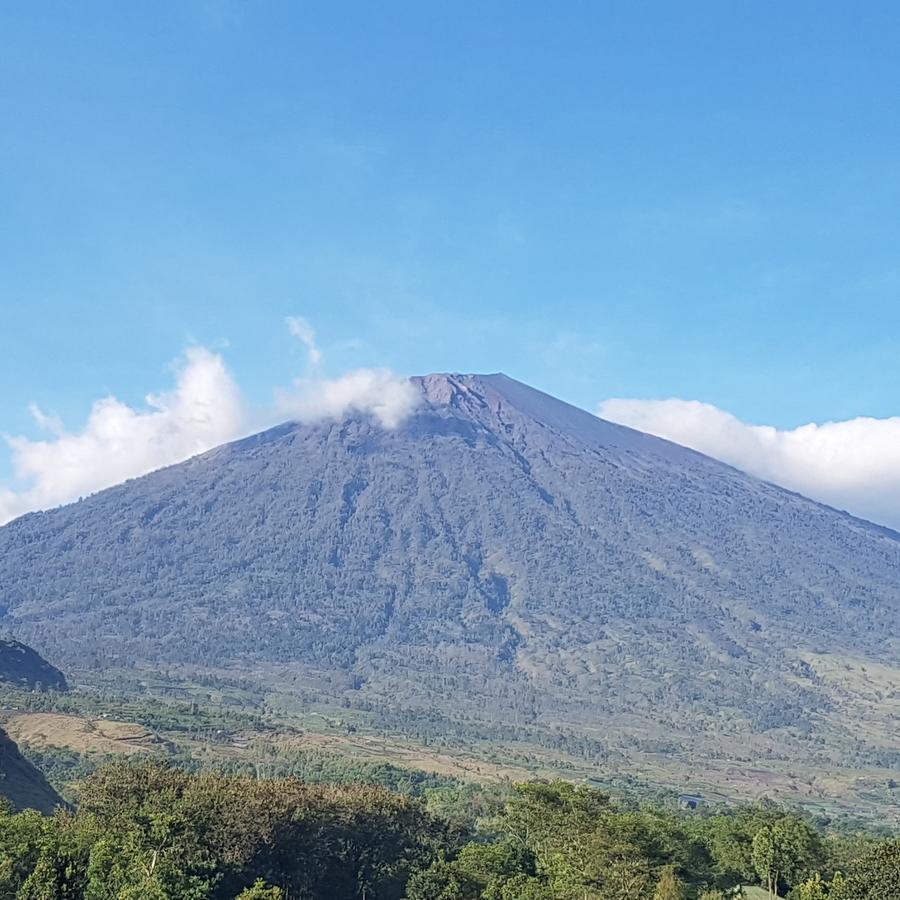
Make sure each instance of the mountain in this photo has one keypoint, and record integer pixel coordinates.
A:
(22, 667)
(500, 558)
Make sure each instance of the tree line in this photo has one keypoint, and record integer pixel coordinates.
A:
(149, 831)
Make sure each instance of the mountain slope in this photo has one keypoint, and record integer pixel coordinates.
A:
(21, 782)
(500, 556)
(22, 667)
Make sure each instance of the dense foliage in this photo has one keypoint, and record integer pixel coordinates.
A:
(149, 831)
(154, 832)
(65, 768)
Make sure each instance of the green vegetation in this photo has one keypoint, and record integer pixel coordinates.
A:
(210, 721)
(65, 769)
(152, 831)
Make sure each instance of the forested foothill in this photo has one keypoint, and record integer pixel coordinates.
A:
(143, 831)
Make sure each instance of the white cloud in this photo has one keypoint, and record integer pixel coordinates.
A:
(118, 442)
(853, 465)
(304, 332)
(203, 410)
(378, 392)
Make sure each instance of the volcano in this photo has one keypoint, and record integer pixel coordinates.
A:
(500, 556)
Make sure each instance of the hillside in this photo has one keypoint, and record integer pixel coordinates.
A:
(21, 782)
(500, 558)
(22, 667)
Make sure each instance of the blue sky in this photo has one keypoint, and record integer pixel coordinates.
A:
(648, 200)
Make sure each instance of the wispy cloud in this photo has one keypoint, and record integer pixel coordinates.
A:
(205, 408)
(853, 465)
(388, 397)
(304, 332)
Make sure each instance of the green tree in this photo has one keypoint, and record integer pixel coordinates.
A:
(814, 888)
(214, 835)
(60, 870)
(784, 852)
(443, 881)
(729, 839)
(876, 876)
(668, 887)
(259, 890)
(21, 839)
(494, 865)
(481, 870)
(525, 887)
(159, 856)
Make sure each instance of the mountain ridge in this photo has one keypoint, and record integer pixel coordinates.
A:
(499, 380)
(448, 379)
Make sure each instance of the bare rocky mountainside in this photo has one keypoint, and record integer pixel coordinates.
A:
(501, 558)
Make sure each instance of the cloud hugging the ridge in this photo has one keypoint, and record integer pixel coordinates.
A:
(118, 442)
(386, 396)
(205, 408)
(852, 465)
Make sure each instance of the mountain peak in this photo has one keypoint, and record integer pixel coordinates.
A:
(494, 391)
(517, 404)
(442, 388)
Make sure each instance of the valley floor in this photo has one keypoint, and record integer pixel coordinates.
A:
(226, 720)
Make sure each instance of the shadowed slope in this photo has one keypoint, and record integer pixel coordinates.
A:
(21, 667)
(21, 782)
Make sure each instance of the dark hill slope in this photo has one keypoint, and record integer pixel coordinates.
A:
(21, 783)
(22, 667)
(497, 543)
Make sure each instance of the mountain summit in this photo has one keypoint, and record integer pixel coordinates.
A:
(500, 555)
